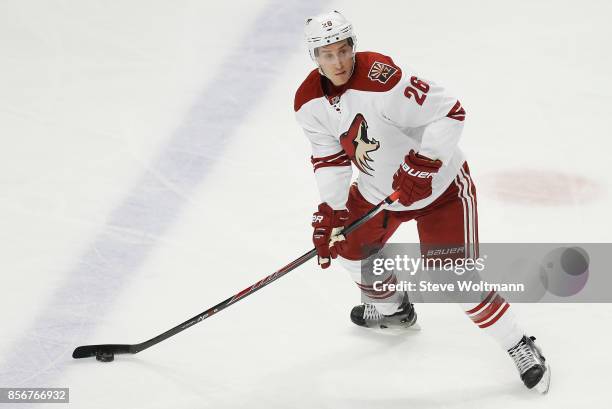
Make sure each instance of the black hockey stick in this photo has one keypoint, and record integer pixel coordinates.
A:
(106, 352)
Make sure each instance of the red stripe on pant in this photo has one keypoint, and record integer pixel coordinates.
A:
(369, 290)
(494, 320)
(489, 311)
(482, 304)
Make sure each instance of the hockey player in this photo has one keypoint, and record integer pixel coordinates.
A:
(401, 132)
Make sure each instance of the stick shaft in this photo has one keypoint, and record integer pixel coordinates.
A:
(90, 350)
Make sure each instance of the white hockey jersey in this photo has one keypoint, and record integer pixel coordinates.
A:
(373, 121)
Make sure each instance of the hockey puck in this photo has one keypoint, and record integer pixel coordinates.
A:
(105, 356)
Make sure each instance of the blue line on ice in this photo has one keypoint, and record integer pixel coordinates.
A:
(151, 207)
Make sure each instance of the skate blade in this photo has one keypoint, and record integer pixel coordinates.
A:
(544, 383)
(399, 328)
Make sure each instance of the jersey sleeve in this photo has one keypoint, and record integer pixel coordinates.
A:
(331, 165)
(416, 102)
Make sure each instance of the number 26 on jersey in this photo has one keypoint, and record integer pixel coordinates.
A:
(418, 89)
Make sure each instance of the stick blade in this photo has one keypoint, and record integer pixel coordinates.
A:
(88, 351)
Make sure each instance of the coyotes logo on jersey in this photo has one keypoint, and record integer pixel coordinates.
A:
(358, 146)
(381, 72)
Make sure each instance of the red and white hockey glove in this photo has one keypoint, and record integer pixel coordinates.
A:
(413, 178)
(327, 224)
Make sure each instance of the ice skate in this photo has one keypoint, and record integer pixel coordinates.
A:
(366, 315)
(531, 364)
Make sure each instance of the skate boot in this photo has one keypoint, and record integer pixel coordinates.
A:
(366, 315)
(531, 364)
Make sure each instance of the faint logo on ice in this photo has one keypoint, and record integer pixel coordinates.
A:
(543, 188)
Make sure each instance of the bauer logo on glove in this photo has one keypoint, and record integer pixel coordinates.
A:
(416, 173)
(413, 178)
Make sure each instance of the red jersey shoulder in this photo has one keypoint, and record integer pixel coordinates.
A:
(309, 90)
(375, 72)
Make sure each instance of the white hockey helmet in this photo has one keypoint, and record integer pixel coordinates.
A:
(328, 28)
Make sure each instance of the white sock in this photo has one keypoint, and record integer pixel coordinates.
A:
(391, 299)
(494, 316)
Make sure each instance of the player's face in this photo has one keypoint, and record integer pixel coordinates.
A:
(336, 61)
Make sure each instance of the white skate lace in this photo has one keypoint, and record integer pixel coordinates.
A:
(371, 313)
(524, 357)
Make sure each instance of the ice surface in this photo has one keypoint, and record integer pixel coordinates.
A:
(151, 167)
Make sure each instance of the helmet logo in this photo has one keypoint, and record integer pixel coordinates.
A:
(381, 72)
(358, 146)
(326, 29)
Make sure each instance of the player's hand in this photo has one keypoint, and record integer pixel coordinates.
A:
(328, 224)
(413, 178)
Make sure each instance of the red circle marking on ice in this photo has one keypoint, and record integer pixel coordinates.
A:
(536, 187)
